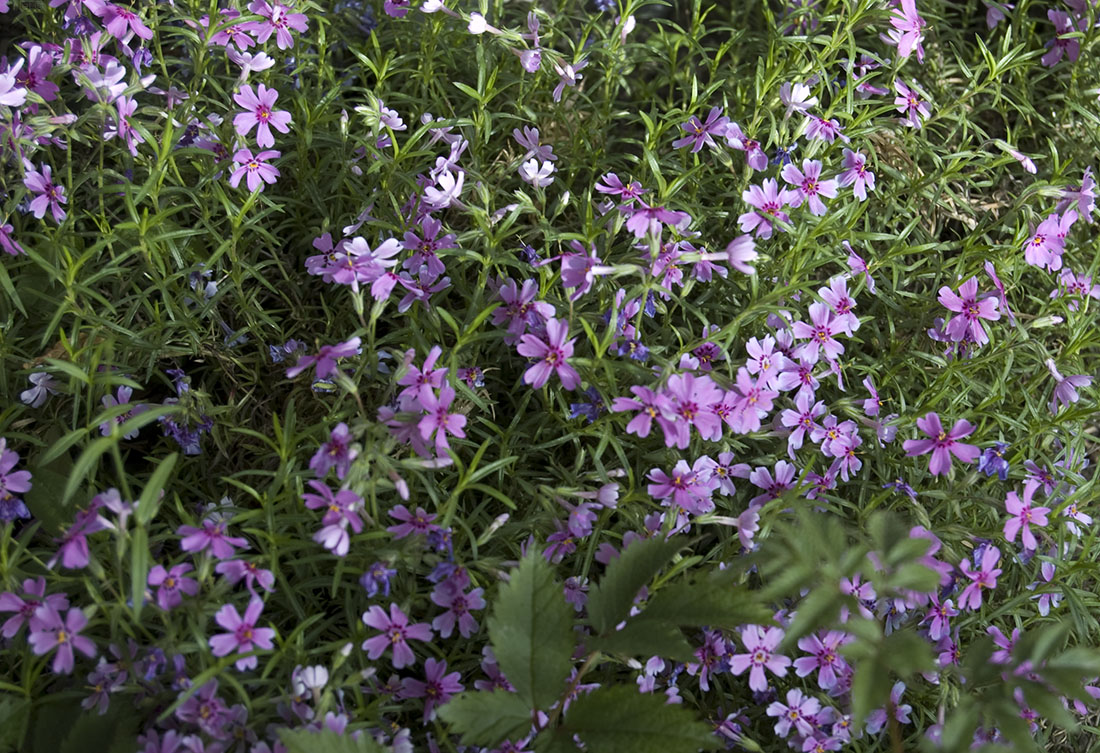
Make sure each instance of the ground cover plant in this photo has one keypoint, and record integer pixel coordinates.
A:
(493, 376)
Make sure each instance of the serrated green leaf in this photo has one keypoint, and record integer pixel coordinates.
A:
(816, 610)
(487, 719)
(906, 653)
(915, 577)
(327, 741)
(619, 719)
(711, 600)
(609, 602)
(531, 630)
(870, 689)
(645, 638)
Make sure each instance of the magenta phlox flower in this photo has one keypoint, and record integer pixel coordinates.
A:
(798, 374)
(1046, 245)
(26, 606)
(579, 269)
(801, 421)
(277, 20)
(234, 571)
(260, 112)
(436, 688)
(767, 201)
(12, 93)
(122, 127)
(691, 397)
(702, 133)
(341, 507)
(773, 486)
(396, 633)
(451, 595)
(326, 357)
(644, 219)
(878, 718)
(10, 245)
(1001, 297)
(336, 453)
(683, 487)
(171, 585)
(552, 353)
(528, 138)
(755, 156)
(424, 248)
(1024, 514)
(420, 381)
(72, 549)
(520, 309)
(808, 186)
(1004, 643)
(50, 631)
(1048, 599)
(213, 536)
(754, 403)
(820, 336)
(939, 617)
(610, 183)
(439, 419)
(651, 406)
(228, 33)
(1065, 389)
(821, 129)
(1062, 45)
(50, 196)
(969, 312)
(120, 22)
(798, 713)
(984, 576)
(943, 444)
(908, 31)
(856, 174)
(1077, 286)
(760, 644)
(909, 103)
(411, 523)
(824, 657)
(1084, 195)
(243, 636)
(796, 97)
(858, 265)
(255, 169)
(710, 659)
(765, 361)
(842, 304)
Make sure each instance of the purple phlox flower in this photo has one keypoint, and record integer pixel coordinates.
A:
(765, 361)
(740, 253)
(831, 432)
(26, 606)
(259, 112)
(170, 584)
(842, 304)
(227, 34)
(627, 192)
(645, 219)
(579, 269)
(767, 201)
(651, 406)
(939, 617)
(439, 419)
(824, 130)
(909, 103)
(446, 190)
(702, 133)
(1077, 286)
(122, 127)
(325, 359)
(969, 311)
(255, 169)
(591, 409)
(50, 196)
(796, 97)
(243, 635)
(908, 31)
(1024, 515)
(943, 444)
(801, 421)
(1048, 599)
(341, 512)
(396, 8)
(821, 336)
(537, 175)
(992, 272)
(520, 309)
(760, 644)
(857, 175)
(1084, 195)
(808, 186)
(42, 386)
(420, 522)
(708, 353)
(376, 579)
(684, 488)
(775, 486)
(857, 264)
(710, 658)
(984, 576)
(1004, 644)
(206, 710)
(277, 20)
(1061, 45)
(72, 549)
(877, 719)
(528, 138)
(552, 352)
(12, 483)
(35, 77)
(49, 631)
(120, 399)
(213, 536)
(120, 22)
(996, 12)
(420, 381)
(8, 243)
(12, 93)
(396, 632)
(1065, 389)
(337, 453)
(1073, 515)
(1046, 245)
(234, 571)
(1042, 475)
(754, 402)
(424, 248)
(104, 680)
(691, 397)
(755, 156)
(567, 75)
(824, 658)
(797, 713)
(450, 594)
(436, 688)
(993, 461)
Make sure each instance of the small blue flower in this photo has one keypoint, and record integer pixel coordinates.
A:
(992, 461)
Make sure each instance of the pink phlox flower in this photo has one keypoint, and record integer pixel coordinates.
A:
(122, 126)
(808, 185)
(420, 381)
(702, 133)
(50, 196)
(277, 20)
(72, 549)
(49, 631)
(798, 374)
(651, 406)
(873, 405)
(939, 618)
(969, 312)
(410, 523)
(446, 191)
(842, 304)
(1001, 297)
(824, 130)
(259, 112)
(439, 419)
(845, 450)
(520, 309)
(436, 688)
(798, 713)
(1073, 515)
(337, 453)
(424, 248)
(943, 444)
(1084, 195)
(755, 156)
(908, 31)
(724, 470)
(796, 97)
(11, 246)
(580, 269)
(909, 103)
(1049, 599)
(857, 264)
(801, 421)
(1078, 286)
(12, 92)
(1065, 389)
(1004, 643)
(171, 584)
(775, 486)
(820, 336)
(831, 431)
(760, 644)
(26, 606)
(341, 507)
(213, 536)
(691, 397)
(755, 401)
(120, 22)
(861, 78)
(996, 12)
(824, 657)
(710, 659)
(243, 635)
(396, 633)
(878, 718)
(121, 398)
(1061, 45)
(984, 576)
(740, 252)
(234, 571)
(646, 220)
(683, 487)
(326, 357)
(568, 76)
(1045, 247)
(552, 353)
(1023, 515)
(765, 360)
(451, 595)
(857, 175)
(610, 183)
(227, 32)
(767, 201)
(528, 138)
(396, 8)
(255, 169)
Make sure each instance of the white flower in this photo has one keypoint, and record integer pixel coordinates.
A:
(43, 385)
(537, 175)
(450, 188)
(478, 24)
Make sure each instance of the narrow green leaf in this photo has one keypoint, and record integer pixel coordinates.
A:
(619, 719)
(150, 495)
(487, 719)
(609, 602)
(139, 568)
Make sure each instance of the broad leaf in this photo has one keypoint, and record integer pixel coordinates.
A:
(327, 741)
(712, 601)
(487, 719)
(645, 638)
(609, 602)
(619, 719)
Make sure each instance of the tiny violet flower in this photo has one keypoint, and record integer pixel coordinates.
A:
(1024, 515)
(50, 196)
(702, 133)
(857, 175)
(335, 453)
(42, 386)
(767, 201)
(969, 312)
(243, 635)
(396, 632)
(553, 353)
(993, 461)
(325, 360)
(437, 687)
(760, 644)
(376, 580)
(213, 536)
(1065, 391)
(909, 103)
(943, 444)
(982, 577)
(170, 584)
(50, 631)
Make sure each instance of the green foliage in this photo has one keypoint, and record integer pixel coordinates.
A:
(487, 718)
(609, 602)
(327, 741)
